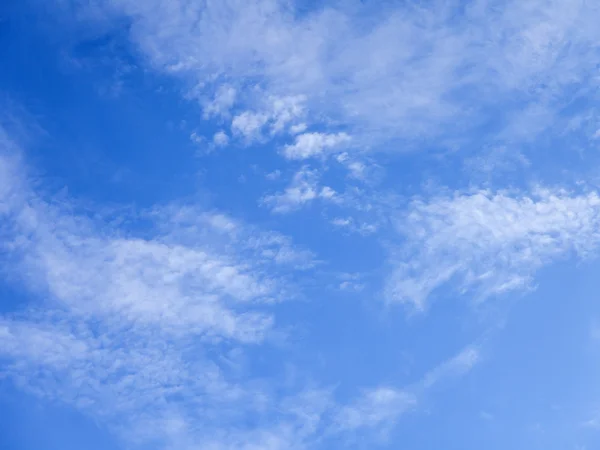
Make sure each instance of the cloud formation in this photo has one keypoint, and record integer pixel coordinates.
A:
(488, 243)
(174, 325)
(416, 71)
(126, 320)
(147, 332)
(309, 145)
(303, 189)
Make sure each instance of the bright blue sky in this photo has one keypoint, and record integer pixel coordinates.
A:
(280, 224)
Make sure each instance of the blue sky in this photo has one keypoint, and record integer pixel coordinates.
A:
(280, 224)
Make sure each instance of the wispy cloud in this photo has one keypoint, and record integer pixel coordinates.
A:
(192, 275)
(128, 321)
(380, 407)
(417, 71)
(128, 324)
(348, 223)
(489, 242)
(309, 145)
(303, 190)
(125, 320)
(456, 366)
(220, 139)
(221, 103)
(146, 326)
(270, 117)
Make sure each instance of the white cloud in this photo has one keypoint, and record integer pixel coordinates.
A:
(300, 128)
(125, 375)
(196, 138)
(418, 72)
(351, 286)
(187, 278)
(415, 72)
(249, 125)
(496, 161)
(351, 282)
(309, 145)
(489, 242)
(357, 166)
(457, 366)
(342, 221)
(272, 176)
(327, 193)
(221, 104)
(303, 189)
(127, 321)
(144, 385)
(351, 225)
(187, 224)
(124, 325)
(357, 169)
(40, 344)
(286, 111)
(273, 115)
(380, 407)
(220, 139)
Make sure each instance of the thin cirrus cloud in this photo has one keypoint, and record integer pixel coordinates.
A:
(194, 274)
(126, 325)
(377, 408)
(197, 270)
(121, 316)
(380, 408)
(418, 71)
(148, 323)
(489, 243)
